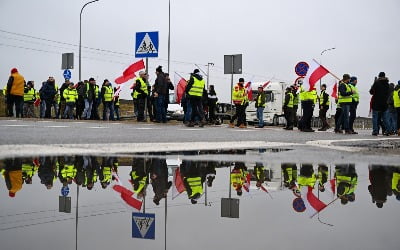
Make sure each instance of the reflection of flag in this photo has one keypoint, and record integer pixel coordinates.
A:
(315, 72)
(180, 88)
(246, 185)
(335, 91)
(333, 185)
(178, 186)
(249, 91)
(126, 194)
(312, 203)
(129, 73)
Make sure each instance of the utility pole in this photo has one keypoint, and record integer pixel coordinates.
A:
(208, 74)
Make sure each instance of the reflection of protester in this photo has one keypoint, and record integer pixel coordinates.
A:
(396, 182)
(105, 173)
(259, 174)
(139, 177)
(289, 171)
(380, 184)
(13, 175)
(307, 176)
(28, 170)
(47, 171)
(238, 177)
(346, 182)
(192, 180)
(322, 176)
(159, 179)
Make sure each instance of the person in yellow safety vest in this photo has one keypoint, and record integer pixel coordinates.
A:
(259, 174)
(91, 173)
(70, 95)
(241, 101)
(193, 179)
(30, 95)
(68, 172)
(323, 108)
(116, 106)
(195, 90)
(289, 172)
(346, 182)
(396, 182)
(13, 175)
(140, 93)
(308, 100)
(307, 176)
(28, 170)
(288, 108)
(396, 104)
(322, 176)
(105, 173)
(15, 93)
(354, 104)
(107, 96)
(5, 100)
(295, 105)
(260, 106)
(238, 177)
(345, 100)
(139, 176)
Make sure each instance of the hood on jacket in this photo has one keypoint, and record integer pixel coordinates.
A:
(197, 76)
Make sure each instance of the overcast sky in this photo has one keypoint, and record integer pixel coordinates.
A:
(272, 36)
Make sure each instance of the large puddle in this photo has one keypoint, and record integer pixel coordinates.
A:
(86, 202)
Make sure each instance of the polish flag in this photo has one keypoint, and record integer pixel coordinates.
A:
(315, 72)
(126, 194)
(333, 185)
(177, 187)
(249, 91)
(312, 203)
(129, 73)
(265, 84)
(118, 90)
(335, 91)
(246, 185)
(180, 88)
(37, 102)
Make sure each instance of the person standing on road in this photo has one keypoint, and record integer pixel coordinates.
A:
(212, 100)
(288, 108)
(345, 100)
(354, 104)
(48, 95)
(15, 93)
(116, 105)
(195, 89)
(160, 91)
(140, 93)
(90, 96)
(29, 99)
(295, 105)
(240, 100)
(323, 108)
(70, 96)
(61, 109)
(260, 105)
(391, 112)
(396, 104)
(107, 94)
(308, 100)
(379, 92)
(80, 103)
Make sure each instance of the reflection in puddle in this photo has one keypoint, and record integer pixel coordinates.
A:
(336, 195)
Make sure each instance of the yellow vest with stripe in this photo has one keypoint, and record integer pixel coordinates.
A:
(295, 100)
(108, 93)
(195, 185)
(396, 98)
(321, 98)
(70, 95)
(355, 96)
(69, 171)
(197, 87)
(30, 96)
(237, 178)
(107, 176)
(346, 99)
(302, 93)
(291, 100)
(258, 171)
(143, 87)
(142, 182)
(259, 101)
(396, 182)
(307, 181)
(239, 95)
(28, 169)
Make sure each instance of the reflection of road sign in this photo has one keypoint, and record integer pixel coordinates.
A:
(301, 68)
(65, 191)
(298, 205)
(67, 74)
(146, 44)
(143, 225)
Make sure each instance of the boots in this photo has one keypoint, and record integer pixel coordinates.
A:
(242, 126)
(231, 125)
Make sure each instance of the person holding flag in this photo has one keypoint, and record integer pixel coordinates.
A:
(323, 108)
(346, 182)
(140, 93)
(289, 172)
(240, 100)
(195, 90)
(193, 180)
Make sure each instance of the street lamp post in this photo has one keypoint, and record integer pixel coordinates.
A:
(208, 74)
(80, 38)
(169, 33)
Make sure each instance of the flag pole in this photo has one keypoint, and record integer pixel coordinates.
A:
(330, 203)
(179, 75)
(327, 70)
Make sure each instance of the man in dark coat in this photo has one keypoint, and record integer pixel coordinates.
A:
(379, 92)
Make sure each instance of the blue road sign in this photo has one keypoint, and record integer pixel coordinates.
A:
(67, 74)
(301, 68)
(143, 226)
(65, 191)
(146, 44)
(298, 205)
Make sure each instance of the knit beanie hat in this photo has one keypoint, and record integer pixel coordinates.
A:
(14, 70)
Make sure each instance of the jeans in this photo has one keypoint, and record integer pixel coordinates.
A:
(116, 110)
(161, 114)
(188, 112)
(141, 103)
(260, 116)
(344, 117)
(69, 110)
(108, 111)
(353, 114)
(42, 108)
(377, 118)
(391, 116)
(197, 109)
(308, 109)
(88, 109)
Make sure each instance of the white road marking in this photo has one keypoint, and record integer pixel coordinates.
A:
(97, 127)
(57, 126)
(14, 125)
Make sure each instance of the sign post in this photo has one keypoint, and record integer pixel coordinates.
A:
(143, 226)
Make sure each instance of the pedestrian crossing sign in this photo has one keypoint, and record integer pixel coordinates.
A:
(146, 44)
(143, 226)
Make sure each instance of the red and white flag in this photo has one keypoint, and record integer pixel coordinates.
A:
(129, 73)
(249, 90)
(180, 88)
(126, 195)
(312, 203)
(177, 187)
(118, 90)
(335, 91)
(246, 185)
(265, 84)
(315, 72)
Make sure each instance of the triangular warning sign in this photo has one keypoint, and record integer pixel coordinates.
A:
(146, 46)
(143, 224)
